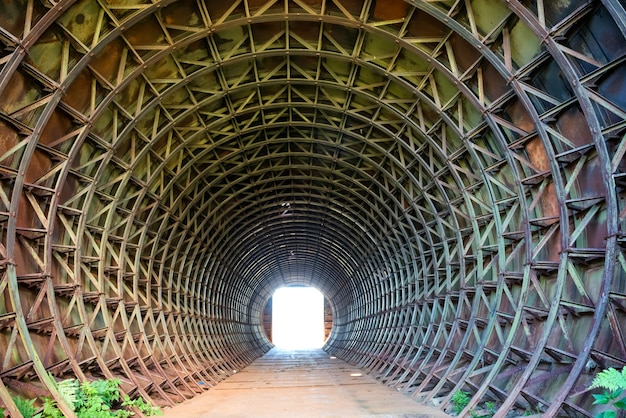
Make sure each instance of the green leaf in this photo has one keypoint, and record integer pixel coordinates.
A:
(50, 409)
(25, 406)
(600, 399)
(607, 414)
(621, 404)
(69, 392)
(610, 379)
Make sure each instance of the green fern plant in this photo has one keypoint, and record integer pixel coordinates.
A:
(142, 405)
(615, 382)
(96, 399)
(460, 400)
(50, 409)
(610, 379)
(488, 411)
(25, 406)
(69, 390)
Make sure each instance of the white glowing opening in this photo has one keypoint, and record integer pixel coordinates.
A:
(298, 318)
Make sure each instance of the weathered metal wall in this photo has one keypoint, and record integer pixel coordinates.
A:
(449, 173)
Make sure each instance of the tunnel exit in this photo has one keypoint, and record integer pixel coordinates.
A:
(298, 318)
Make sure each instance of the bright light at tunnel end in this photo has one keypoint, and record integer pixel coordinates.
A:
(298, 318)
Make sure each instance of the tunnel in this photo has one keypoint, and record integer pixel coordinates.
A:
(449, 174)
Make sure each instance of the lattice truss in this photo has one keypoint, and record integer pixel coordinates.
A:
(449, 173)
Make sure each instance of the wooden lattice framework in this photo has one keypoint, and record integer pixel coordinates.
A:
(450, 174)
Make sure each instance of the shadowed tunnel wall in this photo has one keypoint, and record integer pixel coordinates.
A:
(450, 175)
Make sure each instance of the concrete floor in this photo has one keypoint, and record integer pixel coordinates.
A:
(302, 383)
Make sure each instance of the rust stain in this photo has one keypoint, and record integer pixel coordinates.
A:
(573, 126)
(353, 6)
(254, 4)
(8, 139)
(390, 9)
(548, 204)
(107, 61)
(493, 83)
(13, 16)
(15, 93)
(520, 117)
(179, 13)
(146, 32)
(422, 25)
(308, 31)
(217, 9)
(263, 32)
(68, 189)
(78, 93)
(58, 125)
(464, 54)
(39, 165)
(537, 154)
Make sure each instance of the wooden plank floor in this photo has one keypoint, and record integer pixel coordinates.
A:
(302, 383)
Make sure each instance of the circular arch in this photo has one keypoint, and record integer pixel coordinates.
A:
(456, 168)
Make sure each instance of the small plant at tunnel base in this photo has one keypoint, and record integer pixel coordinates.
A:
(615, 382)
(460, 400)
(142, 405)
(25, 406)
(488, 411)
(97, 399)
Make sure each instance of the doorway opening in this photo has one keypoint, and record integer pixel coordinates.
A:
(298, 318)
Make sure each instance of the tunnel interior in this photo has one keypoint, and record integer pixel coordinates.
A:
(449, 174)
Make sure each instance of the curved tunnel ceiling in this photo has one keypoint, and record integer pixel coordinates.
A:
(448, 173)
